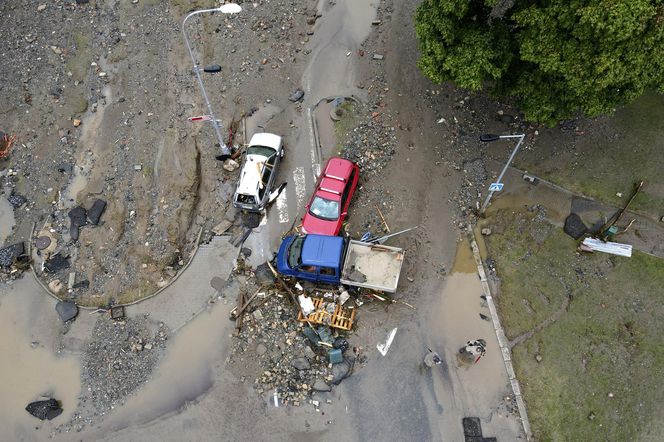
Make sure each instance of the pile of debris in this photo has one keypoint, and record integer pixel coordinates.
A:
(290, 356)
(119, 358)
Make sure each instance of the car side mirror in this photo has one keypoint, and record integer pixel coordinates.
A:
(344, 214)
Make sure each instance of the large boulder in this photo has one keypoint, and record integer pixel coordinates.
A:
(95, 212)
(574, 227)
(67, 310)
(43, 410)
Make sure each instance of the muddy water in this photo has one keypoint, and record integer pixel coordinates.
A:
(7, 221)
(29, 368)
(185, 375)
(476, 390)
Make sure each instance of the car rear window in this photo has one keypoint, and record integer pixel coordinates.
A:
(245, 199)
(260, 150)
(324, 208)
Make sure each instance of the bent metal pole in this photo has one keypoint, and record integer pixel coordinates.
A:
(500, 177)
(225, 151)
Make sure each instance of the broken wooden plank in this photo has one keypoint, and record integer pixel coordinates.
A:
(613, 248)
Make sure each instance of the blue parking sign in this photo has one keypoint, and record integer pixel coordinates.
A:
(496, 187)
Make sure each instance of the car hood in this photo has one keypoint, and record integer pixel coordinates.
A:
(311, 224)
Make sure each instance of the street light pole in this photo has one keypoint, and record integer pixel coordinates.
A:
(488, 138)
(229, 8)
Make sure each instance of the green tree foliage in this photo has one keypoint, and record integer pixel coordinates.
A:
(554, 57)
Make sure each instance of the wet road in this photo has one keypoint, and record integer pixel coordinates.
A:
(330, 72)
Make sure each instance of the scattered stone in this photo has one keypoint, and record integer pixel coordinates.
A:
(78, 216)
(261, 349)
(138, 167)
(11, 253)
(486, 231)
(71, 281)
(230, 165)
(258, 315)
(44, 410)
(378, 56)
(246, 252)
(320, 385)
(56, 263)
(538, 357)
(82, 284)
(301, 364)
(76, 122)
(264, 275)
(67, 310)
(341, 371)
(296, 95)
(55, 286)
(96, 211)
(41, 8)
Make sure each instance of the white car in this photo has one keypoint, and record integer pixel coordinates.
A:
(258, 173)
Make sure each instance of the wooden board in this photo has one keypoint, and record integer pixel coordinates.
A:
(341, 318)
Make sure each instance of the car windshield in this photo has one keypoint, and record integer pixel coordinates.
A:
(295, 252)
(260, 150)
(324, 208)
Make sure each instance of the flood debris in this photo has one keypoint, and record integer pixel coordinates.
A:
(44, 410)
(472, 352)
(67, 310)
(613, 248)
(384, 348)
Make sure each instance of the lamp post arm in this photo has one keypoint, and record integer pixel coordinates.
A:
(225, 151)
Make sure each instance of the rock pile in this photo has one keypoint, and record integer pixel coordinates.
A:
(273, 343)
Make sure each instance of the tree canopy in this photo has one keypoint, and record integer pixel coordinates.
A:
(556, 58)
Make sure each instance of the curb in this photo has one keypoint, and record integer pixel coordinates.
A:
(502, 340)
(83, 307)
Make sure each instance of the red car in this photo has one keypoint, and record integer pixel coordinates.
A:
(328, 207)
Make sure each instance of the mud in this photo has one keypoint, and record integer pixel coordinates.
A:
(29, 366)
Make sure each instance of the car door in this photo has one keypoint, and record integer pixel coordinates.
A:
(267, 178)
(347, 196)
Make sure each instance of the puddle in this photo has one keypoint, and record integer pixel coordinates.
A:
(7, 221)
(464, 262)
(479, 387)
(186, 373)
(27, 321)
(259, 121)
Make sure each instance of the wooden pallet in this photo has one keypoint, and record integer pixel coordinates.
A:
(341, 318)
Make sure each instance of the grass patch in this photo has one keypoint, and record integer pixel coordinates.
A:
(349, 121)
(610, 155)
(143, 289)
(608, 341)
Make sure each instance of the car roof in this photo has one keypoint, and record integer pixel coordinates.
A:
(338, 167)
(266, 139)
(334, 177)
(322, 250)
(250, 176)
